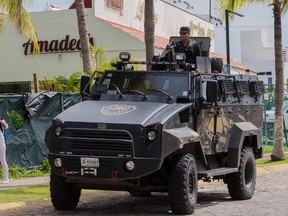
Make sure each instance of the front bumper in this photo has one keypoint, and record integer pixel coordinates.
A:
(112, 168)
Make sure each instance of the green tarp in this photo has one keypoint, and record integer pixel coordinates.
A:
(25, 135)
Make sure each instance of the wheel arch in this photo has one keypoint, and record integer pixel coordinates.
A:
(243, 134)
(183, 140)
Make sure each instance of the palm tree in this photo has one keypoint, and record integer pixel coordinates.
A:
(84, 38)
(279, 8)
(149, 29)
(21, 18)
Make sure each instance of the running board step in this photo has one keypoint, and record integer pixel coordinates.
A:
(216, 172)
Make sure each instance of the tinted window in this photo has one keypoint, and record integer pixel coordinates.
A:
(175, 84)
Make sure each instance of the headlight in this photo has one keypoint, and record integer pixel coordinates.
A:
(57, 162)
(58, 131)
(151, 135)
(130, 165)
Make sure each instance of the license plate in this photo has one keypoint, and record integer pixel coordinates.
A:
(89, 162)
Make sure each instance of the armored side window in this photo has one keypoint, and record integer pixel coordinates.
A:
(256, 88)
(242, 87)
(226, 86)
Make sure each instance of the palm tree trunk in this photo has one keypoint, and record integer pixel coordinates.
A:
(278, 150)
(149, 29)
(19, 14)
(84, 38)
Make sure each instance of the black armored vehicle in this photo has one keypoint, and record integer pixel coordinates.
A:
(158, 130)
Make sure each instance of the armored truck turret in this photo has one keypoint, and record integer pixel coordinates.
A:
(158, 130)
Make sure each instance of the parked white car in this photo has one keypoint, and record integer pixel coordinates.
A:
(270, 119)
(270, 114)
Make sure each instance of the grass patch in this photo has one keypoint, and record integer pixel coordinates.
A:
(269, 148)
(268, 162)
(25, 194)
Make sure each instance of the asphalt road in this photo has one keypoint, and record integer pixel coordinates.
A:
(270, 198)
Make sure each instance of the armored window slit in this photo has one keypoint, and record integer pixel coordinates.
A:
(242, 87)
(226, 87)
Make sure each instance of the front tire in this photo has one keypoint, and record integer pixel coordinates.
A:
(64, 196)
(241, 185)
(183, 185)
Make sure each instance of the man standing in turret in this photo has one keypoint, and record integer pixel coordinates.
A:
(187, 45)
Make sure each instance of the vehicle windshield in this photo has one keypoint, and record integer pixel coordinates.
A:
(172, 83)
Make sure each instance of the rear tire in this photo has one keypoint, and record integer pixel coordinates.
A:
(64, 196)
(241, 185)
(183, 185)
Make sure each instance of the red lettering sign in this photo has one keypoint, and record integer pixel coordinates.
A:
(115, 4)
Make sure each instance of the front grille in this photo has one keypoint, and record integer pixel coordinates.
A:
(96, 142)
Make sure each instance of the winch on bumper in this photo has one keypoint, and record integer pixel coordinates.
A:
(103, 167)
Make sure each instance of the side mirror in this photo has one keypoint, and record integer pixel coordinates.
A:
(85, 86)
(210, 90)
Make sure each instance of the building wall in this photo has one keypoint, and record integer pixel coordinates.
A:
(53, 26)
(168, 18)
(258, 53)
(57, 30)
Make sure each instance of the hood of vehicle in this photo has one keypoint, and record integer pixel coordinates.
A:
(120, 112)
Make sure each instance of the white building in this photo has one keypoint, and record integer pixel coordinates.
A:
(258, 53)
(117, 25)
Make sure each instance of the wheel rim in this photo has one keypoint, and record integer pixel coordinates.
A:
(249, 174)
(191, 187)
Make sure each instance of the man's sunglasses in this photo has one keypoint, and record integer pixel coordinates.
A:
(183, 33)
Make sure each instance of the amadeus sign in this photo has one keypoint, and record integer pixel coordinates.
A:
(55, 46)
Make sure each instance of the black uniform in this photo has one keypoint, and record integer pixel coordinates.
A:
(191, 50)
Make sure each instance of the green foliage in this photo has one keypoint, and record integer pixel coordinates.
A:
(16, 172)
(45, 166)
(62, 84)
(100, 60)
(16, 119)
(269, 104)
(42, 170)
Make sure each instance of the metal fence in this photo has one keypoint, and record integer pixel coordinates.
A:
(269, 117)
(25, 136)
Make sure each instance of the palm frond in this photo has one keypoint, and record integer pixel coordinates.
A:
(284, 6)
(1, 24)
(27, 29)
(21, 18)
(72, 81)
(222, 5)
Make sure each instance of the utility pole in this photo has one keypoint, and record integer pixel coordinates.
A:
(227, 35)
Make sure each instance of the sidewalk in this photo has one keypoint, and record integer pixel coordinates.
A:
(24, 182)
